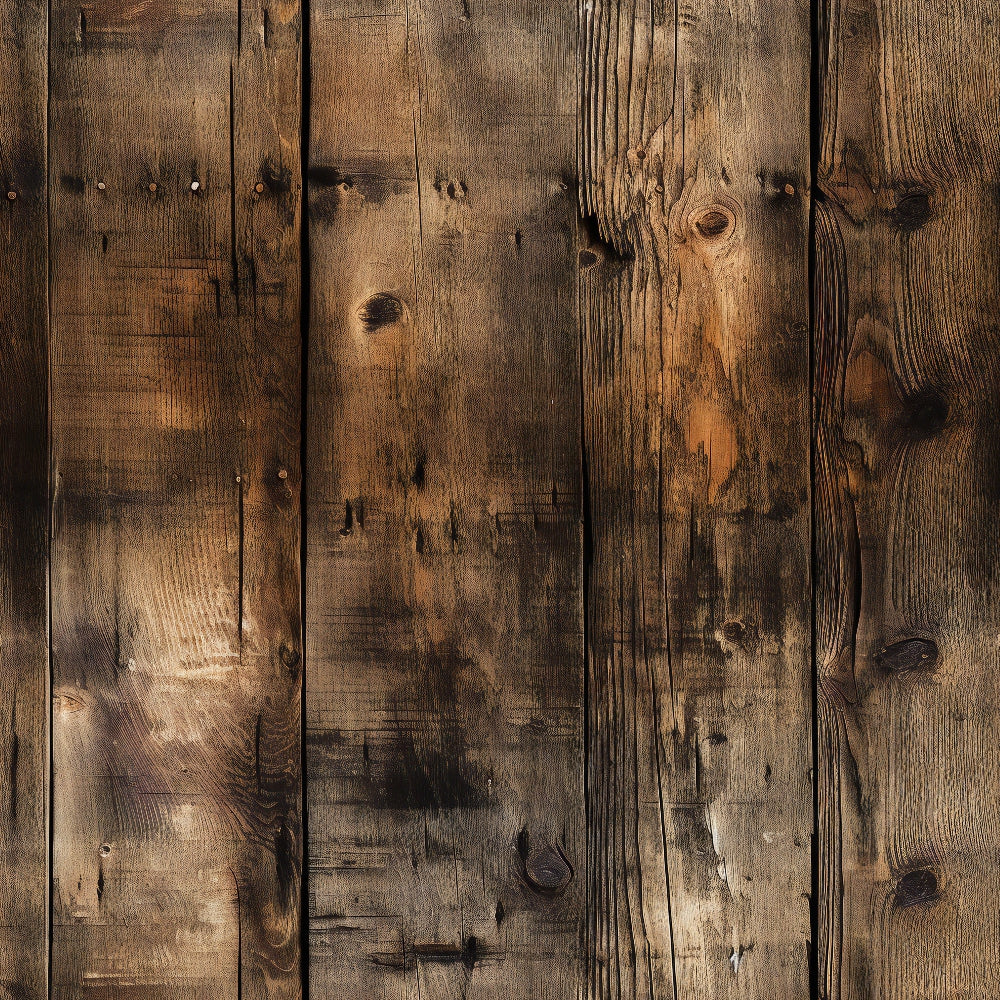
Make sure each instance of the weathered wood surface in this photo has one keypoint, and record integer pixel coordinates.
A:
(174, 185)
(566, 498)
(444, 626)
(694, 290)
(24, 670)
(907, 368)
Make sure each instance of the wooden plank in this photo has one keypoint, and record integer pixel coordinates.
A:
(444, 625)
(24, 657)
(175, 413)
(906, 377)
(694, 252)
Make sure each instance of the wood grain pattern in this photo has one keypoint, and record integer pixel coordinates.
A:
(24, 672)
(174, 181)
(444, 697)
(906, 379)
(694, 251)
(609, 512)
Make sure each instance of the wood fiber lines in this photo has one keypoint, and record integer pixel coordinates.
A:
(498, 499)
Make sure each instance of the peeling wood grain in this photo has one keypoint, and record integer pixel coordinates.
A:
(175, 555)
(444, 629)
(694, 296)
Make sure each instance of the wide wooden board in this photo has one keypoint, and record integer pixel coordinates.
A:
(174, 181)
(444, 626)
(907, 372)
(695, 303)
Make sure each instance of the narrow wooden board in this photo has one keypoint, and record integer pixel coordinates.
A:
(695, 159)
(444, 624)
(24, 656)
(175, 553)
(907, 371)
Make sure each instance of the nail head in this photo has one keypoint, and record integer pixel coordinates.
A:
(11, 195)
(259, 187)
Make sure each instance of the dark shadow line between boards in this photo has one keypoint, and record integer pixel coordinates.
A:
(305, 312)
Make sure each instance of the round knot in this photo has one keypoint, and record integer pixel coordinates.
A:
(547, 869)
(382, 309)
(713, 223)
(920, 886)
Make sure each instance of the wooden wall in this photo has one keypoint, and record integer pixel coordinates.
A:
(498, 499)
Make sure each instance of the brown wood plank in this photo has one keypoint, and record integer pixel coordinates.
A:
(175, 375)
(444, 730)
(24, 657)
(695, 305)
(907, 372)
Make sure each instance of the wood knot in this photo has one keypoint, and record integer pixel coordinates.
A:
(927, 413)
(912, 211)
(547, 869)
(908, 654)
(290, 658)
(919, 886)
(380, 310)
(714, 223)
(734, 632)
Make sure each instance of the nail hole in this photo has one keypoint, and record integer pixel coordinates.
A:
(587, 258)
(105, 850)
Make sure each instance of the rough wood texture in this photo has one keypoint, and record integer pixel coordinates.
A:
(23, 503)
(174, 180)
(444, 576)
(694, 290)
(906, 378)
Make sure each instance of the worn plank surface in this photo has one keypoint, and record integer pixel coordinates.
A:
(694, 291)
(24, 657)
(444, 631)
(174, 182)
(907, 373)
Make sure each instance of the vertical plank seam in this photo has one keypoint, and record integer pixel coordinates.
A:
(305, 306)
(584, 499)
(49, 512)
(814, 150)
